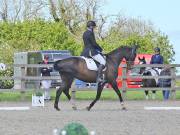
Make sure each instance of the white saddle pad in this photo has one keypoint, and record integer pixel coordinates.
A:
(154, 73)
(91, 65)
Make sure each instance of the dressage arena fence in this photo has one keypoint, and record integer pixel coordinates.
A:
(24, 77)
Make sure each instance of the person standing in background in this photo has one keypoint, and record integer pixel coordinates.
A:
(46, 84)
(162, 82)
(157, 58)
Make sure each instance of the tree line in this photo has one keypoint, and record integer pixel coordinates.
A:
(59, 24)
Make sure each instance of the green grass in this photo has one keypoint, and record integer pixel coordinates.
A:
(81, 95)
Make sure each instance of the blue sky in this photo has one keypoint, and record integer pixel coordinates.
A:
(164, 14)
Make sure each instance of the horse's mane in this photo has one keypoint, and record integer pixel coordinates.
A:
(117, 50)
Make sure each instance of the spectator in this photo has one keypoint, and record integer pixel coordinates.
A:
(162, 82)
(46, 84)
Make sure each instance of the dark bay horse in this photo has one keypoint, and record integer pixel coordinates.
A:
(147, 71)
(75, 67)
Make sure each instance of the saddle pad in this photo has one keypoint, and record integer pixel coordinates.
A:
(154, 72)
(91, 65)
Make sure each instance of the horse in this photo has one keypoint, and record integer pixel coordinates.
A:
(76, 67)
(147, 82)
(147, 71)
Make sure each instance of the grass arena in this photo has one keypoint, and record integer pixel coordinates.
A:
(105, 118)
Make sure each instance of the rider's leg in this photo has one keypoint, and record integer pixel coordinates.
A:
(100, 75)
(102, 62)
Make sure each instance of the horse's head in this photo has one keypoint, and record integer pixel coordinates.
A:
(130, 57)
(142, 61)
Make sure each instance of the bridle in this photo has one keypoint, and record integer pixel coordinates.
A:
(132, 53)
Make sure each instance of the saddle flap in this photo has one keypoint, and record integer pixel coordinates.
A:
(91, 65)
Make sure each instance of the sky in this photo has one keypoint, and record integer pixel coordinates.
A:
(164, 14)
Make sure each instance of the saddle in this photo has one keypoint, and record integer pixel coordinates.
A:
(91, 63)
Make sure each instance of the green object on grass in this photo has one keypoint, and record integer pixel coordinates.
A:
(75, 129)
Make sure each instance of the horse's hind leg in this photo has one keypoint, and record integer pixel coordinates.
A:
(115, 87)
(66, 84)
(98, 95)
(58, 93)
(66, 92)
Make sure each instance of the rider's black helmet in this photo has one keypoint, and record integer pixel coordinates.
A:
(91, 23)
(157, 49)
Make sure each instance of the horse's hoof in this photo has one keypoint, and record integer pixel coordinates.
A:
(88, 108)
(124, 108)
(56, 107)
(74, 108)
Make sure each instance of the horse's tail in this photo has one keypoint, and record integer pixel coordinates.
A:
(56, 67)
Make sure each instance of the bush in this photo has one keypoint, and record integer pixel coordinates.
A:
(6, 84)
(75, 129)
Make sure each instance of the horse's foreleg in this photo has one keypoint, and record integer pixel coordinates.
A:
(98, 95)
(115, 87)
(58, 93)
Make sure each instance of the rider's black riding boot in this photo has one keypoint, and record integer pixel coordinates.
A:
(99, 76)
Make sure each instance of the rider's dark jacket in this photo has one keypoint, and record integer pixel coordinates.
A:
(157, 59)
(91, 48)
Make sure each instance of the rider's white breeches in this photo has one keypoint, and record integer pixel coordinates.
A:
(100, 59)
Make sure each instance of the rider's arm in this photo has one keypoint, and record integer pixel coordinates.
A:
(94, 43)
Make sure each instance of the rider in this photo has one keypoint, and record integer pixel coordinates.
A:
(157, 58)
(92, 49)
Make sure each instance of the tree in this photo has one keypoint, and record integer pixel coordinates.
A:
(74, 13)
(130, 31)
(25, 27)
(19, 10)
(35, 35)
